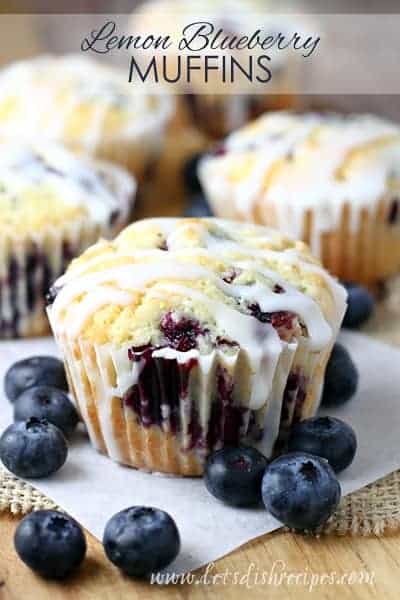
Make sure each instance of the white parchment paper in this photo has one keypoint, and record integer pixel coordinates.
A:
(92, 488)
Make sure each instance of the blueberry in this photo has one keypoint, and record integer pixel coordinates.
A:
(360, 306)
(32, 449)
(190, 177)
(50, 543)
(141, 540)
(327, 437)
(44, 402)
(198, 207)
(341, 378)
(300, 490)
(30, 372)
(234, 475)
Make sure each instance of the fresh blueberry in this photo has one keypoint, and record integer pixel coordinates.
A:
(198, 207)
(360, 306)
(300, 490)
(141, 540)
(234, 475)
(327, 437)
(32, 449)
(50, 543)
(190, 177)
(341, 378)
(44, 402)
(30, 372)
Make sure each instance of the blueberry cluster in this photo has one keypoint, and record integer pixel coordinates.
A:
(35, 445)
(298, 488)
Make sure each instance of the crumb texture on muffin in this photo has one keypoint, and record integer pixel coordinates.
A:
(199, 328)
(202, 268)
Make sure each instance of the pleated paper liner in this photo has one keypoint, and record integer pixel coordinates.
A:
(28, 267)
(368, 253)
(199, 401)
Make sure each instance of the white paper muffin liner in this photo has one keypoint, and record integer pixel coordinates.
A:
(30, 264)
(355, 243)
(173, 433)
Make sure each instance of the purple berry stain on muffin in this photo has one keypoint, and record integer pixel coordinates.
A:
(38, 276)
(162, 384)
(226, 420)
(181, 333)
(293, 400)
(283, 321)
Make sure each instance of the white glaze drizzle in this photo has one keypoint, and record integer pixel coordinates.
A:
(134, 277)
(235, 253)
(306, 184)
(99, 187)
(120, 284)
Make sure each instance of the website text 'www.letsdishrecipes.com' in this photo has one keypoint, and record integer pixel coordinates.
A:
(278, 575)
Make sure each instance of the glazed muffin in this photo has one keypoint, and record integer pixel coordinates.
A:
(185, 335)
(52, 206)
(332, 181)
(88, 106)
(213, 106)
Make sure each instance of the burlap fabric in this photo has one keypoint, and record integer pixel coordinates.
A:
(373, 509)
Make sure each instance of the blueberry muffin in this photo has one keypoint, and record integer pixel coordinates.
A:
(52, 206)
(330, 180)
(185, 335)
(215, 107)
(88, 106)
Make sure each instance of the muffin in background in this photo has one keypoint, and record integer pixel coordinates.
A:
(53, 205)
(330, 180)
(213, 107)
(88, 106)
(185, 335)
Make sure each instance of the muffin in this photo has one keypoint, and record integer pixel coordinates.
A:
(52, 206)
(330, 180)
(88, 106)
(213, 106)
(185, 335)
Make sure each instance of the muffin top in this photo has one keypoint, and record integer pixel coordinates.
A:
(45, 187)
(77, 100)
(305, 160)
(198, 285)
